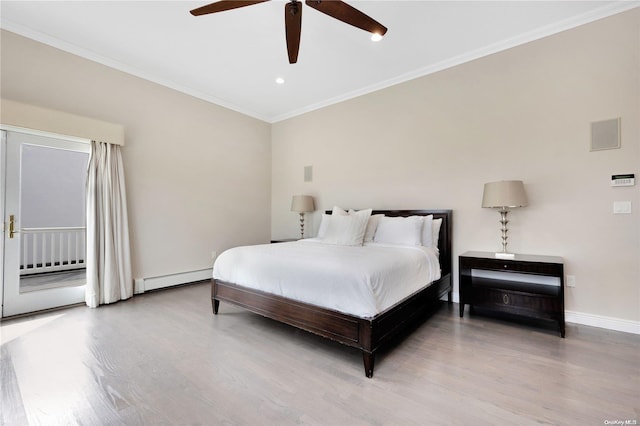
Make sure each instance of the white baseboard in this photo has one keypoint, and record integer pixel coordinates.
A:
(600, 321)
(592, 320)
(154, 283)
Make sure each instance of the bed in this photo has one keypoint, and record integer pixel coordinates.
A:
(367, 329)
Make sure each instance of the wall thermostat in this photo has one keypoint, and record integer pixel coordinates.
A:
(623, 180)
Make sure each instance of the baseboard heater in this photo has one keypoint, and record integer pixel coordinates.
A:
(154, 283)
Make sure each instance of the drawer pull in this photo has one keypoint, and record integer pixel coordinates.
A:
(505, 299)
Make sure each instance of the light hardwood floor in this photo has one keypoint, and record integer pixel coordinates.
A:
(162, 358)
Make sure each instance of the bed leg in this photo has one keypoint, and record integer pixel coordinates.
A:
(215, 304)
(369, 359)
(450, 296)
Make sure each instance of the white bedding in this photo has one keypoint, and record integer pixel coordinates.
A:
(361, 280)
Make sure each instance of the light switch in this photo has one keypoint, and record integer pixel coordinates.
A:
(621, 207)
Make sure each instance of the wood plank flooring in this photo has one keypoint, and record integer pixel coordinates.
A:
(162, 358)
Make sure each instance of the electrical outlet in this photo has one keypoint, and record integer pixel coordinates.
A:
(214, 254)
(571, 280)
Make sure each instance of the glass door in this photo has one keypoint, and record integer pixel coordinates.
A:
(44, 216)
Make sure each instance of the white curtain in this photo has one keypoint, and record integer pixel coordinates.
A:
(108, 255)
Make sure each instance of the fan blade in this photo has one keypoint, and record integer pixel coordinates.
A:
(293, 27)
(348, 14)
(222, 5)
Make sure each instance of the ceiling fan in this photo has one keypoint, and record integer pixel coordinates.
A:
(293, 18)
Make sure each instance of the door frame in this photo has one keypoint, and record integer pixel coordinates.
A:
(3, 190)
(3, 151)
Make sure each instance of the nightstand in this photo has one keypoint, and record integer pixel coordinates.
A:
(284, 240)
(526, 287)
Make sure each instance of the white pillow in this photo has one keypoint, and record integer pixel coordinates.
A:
(324, 224)
(371, 226)
(337, 211)
(347, 230)
(400, 230)
(427, 231)
(435, 233)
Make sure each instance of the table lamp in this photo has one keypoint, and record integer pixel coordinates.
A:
(302, 204)
(504, 195)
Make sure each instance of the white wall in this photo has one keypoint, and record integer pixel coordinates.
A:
(190, 166)
(522, 114)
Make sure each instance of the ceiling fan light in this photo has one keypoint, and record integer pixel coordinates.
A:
(376, 37)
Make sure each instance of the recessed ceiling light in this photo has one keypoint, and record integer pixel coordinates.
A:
(280, 80)
(376, 37)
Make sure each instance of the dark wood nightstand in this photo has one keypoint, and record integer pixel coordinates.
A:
(526, 287)
(284, 240)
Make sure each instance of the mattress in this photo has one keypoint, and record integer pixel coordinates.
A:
(361, 281)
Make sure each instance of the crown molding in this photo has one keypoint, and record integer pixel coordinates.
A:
(576, 21)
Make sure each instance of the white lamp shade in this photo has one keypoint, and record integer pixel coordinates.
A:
(302, 203)
(503, 194)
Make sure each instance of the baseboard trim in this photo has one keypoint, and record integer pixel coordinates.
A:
(154, 283)
(600, 321)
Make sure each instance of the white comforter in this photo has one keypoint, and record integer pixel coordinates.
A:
(361, 281)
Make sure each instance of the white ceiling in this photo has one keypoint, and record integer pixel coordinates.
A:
(233, 58)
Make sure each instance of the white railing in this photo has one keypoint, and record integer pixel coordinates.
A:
(52, 249)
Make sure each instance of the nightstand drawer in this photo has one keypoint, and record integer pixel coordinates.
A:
(498, 298)
(536, 268)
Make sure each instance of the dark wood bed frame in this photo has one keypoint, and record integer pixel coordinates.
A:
(366, 334)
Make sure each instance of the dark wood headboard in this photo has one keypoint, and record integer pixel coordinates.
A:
(444, 242)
